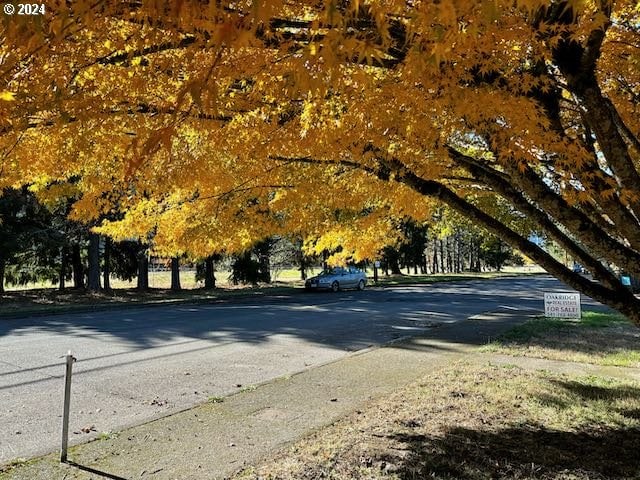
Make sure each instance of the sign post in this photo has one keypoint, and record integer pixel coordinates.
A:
(67, 402)
(562, 305)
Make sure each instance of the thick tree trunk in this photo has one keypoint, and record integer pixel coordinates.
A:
(175, 274)
(265, 268)
(578, 223)
(209, 274)
(394, 264)
(601, 116)
(143, 271)
(93, 271)
(618, 298)
(502, 187)
(106, 272)
(77, 267)
(549, 204)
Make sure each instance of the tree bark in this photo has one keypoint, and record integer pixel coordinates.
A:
(209, 274)
(106, 273)
(549, 204)
(77, 267)
(577, 61)
(143, 271)
(613, 295)
(513, 195)
(618, 298)
(265, 267)
(93, 271)
(175, 274)
(393, 263)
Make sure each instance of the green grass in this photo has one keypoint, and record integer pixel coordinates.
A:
(107, 435)
(599, 338)
(215, 399)
(249, 388)
(543, 325)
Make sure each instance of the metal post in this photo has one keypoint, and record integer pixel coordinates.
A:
(67, 401)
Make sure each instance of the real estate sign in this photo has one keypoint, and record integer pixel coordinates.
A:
(562, 305)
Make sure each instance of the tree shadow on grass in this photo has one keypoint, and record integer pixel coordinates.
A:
(590, 392)
(522, 452)
(529, 450)
(599, 341)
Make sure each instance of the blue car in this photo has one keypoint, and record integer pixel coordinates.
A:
(338, 278)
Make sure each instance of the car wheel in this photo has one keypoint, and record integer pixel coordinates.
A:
(361, 285)
(335, 286)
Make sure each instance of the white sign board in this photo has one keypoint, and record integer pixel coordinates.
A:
(562, 305)
(377, 264)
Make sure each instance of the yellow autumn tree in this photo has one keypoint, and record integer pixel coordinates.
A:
(214, 123)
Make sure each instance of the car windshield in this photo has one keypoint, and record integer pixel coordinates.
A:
(332, 271)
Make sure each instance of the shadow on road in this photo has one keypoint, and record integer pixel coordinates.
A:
(347, 321)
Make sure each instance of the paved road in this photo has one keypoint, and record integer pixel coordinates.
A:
(136, 365)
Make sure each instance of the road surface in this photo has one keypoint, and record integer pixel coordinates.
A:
(138, 364)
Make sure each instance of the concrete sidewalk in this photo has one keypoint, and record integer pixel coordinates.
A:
(214, 440)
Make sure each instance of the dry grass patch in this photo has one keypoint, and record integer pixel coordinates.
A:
(478, 422)
(597, 338)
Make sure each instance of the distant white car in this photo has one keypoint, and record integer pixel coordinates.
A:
(338, 278)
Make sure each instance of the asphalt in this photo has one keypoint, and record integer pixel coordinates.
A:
(220, 437)
(136, 365)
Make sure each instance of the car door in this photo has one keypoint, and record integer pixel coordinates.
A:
(353, 277)
(357, 276)
(343, 278)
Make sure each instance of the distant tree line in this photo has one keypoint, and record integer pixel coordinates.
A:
(40, 243)
(422, 249)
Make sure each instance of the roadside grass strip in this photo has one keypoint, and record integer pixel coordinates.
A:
(478, 422)
(598, 338)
